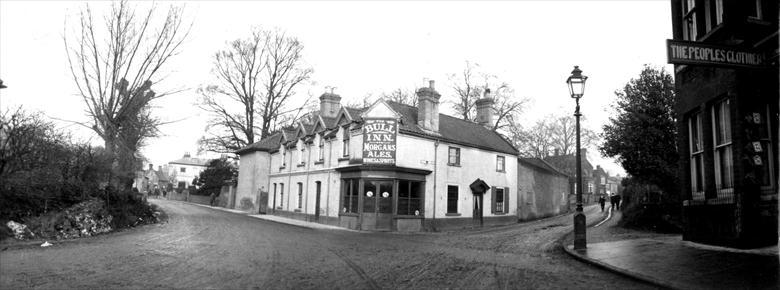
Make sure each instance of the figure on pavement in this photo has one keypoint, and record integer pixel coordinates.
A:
(602, 200)
(617, 201)
(213, 197)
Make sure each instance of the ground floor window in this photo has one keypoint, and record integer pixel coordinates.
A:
(300, 195)
(349, 202)
(452, 199)
(500, 200)
(410, 194)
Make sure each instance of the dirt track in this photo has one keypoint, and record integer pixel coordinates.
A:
(202, 248)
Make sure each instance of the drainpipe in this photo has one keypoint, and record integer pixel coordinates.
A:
(273, 209)
(330, 171)
(308, 173)
(435, 163)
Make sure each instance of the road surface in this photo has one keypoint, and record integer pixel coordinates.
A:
(204, 248)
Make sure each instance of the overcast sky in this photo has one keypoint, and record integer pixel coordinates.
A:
(362, 48)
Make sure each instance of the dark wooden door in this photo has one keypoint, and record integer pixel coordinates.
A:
(317, 202)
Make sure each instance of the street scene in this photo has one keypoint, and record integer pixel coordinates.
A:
(190, 251)
(389, 145)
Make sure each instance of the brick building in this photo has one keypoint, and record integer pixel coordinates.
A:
(726, 73)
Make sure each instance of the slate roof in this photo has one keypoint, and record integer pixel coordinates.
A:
(541, 164)
(454, 130)
(451, 130)
(567, 163)
(190, 161)
(267, 144)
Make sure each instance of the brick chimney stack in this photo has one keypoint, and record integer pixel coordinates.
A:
(485, 110)
(330, 104)
(428, 108)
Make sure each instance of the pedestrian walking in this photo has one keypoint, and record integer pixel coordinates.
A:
(602, 200)
(612, 202)
(617, 201)
(213, 197)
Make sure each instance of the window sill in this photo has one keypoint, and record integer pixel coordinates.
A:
(319, 162)
(348, 214)
(409, 217)
(452, 214)
(278, 207)
(501, 171)
(499, 213)
(453, 164)
(344, 158)
(297, 210)
(282, 168)
(301, 165)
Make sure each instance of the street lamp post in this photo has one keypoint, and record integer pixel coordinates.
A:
(576, 84)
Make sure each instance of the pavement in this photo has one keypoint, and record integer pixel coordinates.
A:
(670, 262)
(279, 219)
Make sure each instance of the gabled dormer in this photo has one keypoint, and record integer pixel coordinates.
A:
(380, 109)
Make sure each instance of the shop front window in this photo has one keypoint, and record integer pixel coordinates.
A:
(410, 195)
(349, 202)
(724, 162)
(696, 148)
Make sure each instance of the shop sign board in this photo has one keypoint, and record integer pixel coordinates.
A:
(697, 53)
(379, 140)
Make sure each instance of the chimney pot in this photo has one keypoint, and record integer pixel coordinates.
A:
(428, 107)
(485, 109)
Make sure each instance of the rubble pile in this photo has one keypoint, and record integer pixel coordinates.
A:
(84, 219)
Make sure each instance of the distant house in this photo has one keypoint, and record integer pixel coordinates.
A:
(543, 190)
(568, 165)
(146, 181)
(182, 171)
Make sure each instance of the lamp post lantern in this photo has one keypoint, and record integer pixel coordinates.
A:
(576, 83)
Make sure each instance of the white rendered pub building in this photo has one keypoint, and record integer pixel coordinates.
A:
(389, 167)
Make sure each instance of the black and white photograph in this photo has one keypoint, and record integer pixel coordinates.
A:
(379, 144)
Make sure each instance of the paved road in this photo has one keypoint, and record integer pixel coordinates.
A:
(205, 248)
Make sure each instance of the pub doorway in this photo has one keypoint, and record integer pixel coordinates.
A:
(377, 205)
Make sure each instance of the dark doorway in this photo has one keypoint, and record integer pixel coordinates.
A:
(478, 209)
(317, 202)
(377, 205)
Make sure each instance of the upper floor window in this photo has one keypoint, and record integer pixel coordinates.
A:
(603, 180)
(182, 169)
(689, 19)
(724, 161)
(300, 154)
(713, 13)
(345, 147)
(320, 149)
(500, 164)
(453, 156)
(754, 9)
(696, 147)
(590, 187)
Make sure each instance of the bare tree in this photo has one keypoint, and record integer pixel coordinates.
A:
(470, 85)
(114, 61)
(402, 96)
(467, 92)
(255, 82)
(533, 142)
(564, 134)
(550, 133)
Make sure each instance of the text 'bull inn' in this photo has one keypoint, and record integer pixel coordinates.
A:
(397, 167)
